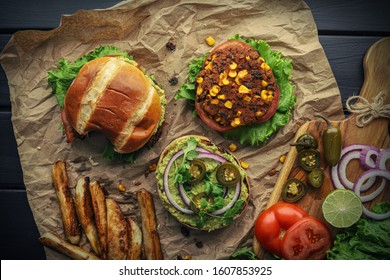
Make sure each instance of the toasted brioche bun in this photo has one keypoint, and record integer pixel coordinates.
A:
(113, 96)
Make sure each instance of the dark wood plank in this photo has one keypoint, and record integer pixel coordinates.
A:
(11, 175)
(4, 92)
(351, 16)
(345, 55)
(19, 234)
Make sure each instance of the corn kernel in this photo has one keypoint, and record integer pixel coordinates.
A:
(217, 118)
(242, 73)
(270, 92)
(243, 89)
(199, 80)
(244, 164)
(232, 147)
(239, 113)
(214, 90)
(270, 97)
(266, 67)
(153, 167)
(247, 98)
(259, 113)
(264, 83)
(282, 158)
(264, 95)
(199, 90)
(225, 82)
(210, 41)
(232, 73)
(228, 104)
(209, 66)
(247, 57)
(121, 188)
(214, 101)
(237, 80)
(236, 122)
(214, 57)
(221, 97)
(233, 66)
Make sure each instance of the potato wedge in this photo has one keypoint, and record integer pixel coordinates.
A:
(117, 240)
(55, 242)
(84, 210)
(135, 240)
(100, 213)
(68, 214)
(151, 239)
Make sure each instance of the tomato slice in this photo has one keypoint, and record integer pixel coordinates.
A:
(307, 239)
(273, 222)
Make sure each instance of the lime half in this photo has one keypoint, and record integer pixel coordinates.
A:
(342, 208)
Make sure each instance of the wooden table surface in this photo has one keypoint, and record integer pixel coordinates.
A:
(346, 30)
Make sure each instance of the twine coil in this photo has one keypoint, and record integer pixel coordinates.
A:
(365, 111)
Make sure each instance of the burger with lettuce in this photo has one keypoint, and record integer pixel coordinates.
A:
(201, 185)
(242, 89)
(107, 91)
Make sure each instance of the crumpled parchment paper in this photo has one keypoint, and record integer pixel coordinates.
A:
(143, 29)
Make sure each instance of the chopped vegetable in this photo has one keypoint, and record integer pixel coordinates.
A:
(306, 141)
(210, 41)
(315, 178)
(309, 159)
(293, 190)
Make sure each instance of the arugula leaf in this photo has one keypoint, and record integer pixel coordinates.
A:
(282, 68)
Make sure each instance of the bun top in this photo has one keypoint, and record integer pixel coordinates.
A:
(112, 95)
(235, 87)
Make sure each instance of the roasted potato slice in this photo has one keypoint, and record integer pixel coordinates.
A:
(68, 214)
(117, 239)
(55, 242)
(84, 210)
(135, 240)
(100, 213)
(151, 239)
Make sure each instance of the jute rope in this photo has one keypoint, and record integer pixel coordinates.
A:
(366, 111)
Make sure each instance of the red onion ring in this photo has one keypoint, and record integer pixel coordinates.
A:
(359, 183)
(346, 157)
(203, 153)
(366, 155)
(382, 158)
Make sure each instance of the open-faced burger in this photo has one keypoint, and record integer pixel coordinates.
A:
(235, 87)
(241, 88)
(200, 184)
(112, 94)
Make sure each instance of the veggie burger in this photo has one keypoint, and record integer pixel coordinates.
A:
(241, 88)
(108, 91)
(200, 184)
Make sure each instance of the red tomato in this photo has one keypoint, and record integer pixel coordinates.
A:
(307, 239)
(273, 222)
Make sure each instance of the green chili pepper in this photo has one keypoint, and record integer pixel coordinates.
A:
(315, 178)
(331, 137)
(293, 190)
(305, 141)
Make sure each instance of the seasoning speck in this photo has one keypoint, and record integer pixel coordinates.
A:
(173, 81)
(171, 46)
(185, 231)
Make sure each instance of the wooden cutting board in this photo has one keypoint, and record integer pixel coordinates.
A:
(376, 65)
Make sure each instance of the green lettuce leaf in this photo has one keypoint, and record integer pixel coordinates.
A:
(282, 68)
(368, 239)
